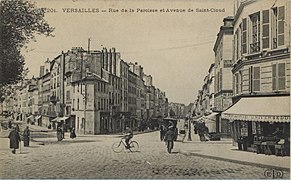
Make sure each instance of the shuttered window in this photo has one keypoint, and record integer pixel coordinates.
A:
(236, 84)
(278, 77)
(274, 77)
(241, 81)
(266, 29)
(257, 79)
(281, 25)
(244, 36)
(281, 76)
(250, 79)
(255, 32)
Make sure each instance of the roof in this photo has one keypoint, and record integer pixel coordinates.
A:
(263, 109)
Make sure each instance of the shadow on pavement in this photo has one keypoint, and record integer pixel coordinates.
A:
(65, 142)
(23, 152)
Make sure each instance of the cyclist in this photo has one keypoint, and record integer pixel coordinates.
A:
(128, 135)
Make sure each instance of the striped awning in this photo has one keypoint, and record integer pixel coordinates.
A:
(262, 109)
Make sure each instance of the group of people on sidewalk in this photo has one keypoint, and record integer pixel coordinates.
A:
(61, 133)
(202, 130)
(15, 139)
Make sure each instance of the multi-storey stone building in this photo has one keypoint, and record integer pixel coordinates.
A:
(261, 72)
(96, 92)
(223, 49)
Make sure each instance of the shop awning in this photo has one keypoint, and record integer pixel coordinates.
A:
(263, 109)
(60, 119)
(211, 117)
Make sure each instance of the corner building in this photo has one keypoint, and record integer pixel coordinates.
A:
(260, 115)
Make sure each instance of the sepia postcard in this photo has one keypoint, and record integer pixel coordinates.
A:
(144, 89)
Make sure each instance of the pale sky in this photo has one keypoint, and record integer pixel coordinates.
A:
(174, 47)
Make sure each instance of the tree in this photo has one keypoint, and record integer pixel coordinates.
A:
(19, 22)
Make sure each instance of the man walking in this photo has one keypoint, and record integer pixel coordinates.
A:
(26, 136)
(14, 140)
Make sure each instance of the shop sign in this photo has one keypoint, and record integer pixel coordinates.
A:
(244, 131)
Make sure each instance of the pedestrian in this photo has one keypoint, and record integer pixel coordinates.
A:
(59, 133)
(14, 140)
(17, 128)
(26, 137)
(163, 131)
(63, 130)
(73, 133)
(9, 124)
(200, 129)
(170, 137)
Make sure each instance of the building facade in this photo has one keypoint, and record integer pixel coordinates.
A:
(223, 50)
(261, 73)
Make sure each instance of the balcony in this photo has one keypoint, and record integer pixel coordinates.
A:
(255, 47)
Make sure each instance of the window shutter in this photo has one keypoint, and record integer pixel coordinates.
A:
(256, 79)
(281, 76)
(251, 79)
(265, 29)
(274, 77)
(281, 25)
(241, 81)
(244, 36)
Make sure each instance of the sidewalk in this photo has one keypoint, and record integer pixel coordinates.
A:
(223, 150)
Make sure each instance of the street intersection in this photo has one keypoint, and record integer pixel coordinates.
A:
(92, 157)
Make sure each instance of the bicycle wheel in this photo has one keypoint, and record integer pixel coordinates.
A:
(117, 147)
(133, 146)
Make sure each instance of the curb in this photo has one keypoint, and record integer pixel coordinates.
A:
(138, 133)
(235, 161)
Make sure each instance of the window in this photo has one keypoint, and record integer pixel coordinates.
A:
(68, 95)
(255, 31)
(78, 104)
(256, 79)
(236, 83)
(244, 36)
(278, 77)
(266, 29)
(278, 25)
(241, 81)
(220, 79)
(78, 124)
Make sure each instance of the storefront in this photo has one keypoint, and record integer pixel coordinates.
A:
(261, 124)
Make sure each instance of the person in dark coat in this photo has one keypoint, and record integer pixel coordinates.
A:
(73, 133)
(9, 124)
(170, 135)
(26, 136)
(59, 133)
(14, 140)
(163, 131)
(17, 128)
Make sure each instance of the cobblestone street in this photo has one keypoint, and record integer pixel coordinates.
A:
(92, 157)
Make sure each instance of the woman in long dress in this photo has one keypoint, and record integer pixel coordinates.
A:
(26, 136)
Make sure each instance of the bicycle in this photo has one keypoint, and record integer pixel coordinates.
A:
(119, 146)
